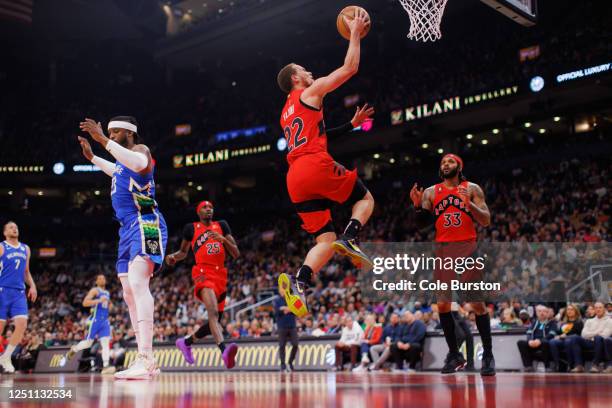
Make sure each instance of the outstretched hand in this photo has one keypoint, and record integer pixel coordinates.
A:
(362, 114)
(359, 22)
(170, 260)
(416, 195)
(94, 129)
(86, 147)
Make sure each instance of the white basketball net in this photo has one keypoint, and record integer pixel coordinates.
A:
(425, 18)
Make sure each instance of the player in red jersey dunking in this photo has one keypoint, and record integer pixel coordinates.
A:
(208, 240)
(314, 179)
(455, 205)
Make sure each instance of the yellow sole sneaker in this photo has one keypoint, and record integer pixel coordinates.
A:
(295, 302)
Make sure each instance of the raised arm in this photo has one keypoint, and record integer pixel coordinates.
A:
(361, 115)
(423, 202)
(138, 159)
(314, 94)
(106, 166)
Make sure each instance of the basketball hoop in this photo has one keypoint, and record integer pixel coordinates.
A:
(425, 18)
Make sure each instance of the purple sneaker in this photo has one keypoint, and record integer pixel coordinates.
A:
(229, 355)
(185, 349)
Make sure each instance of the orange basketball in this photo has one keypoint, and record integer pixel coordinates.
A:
(349, 13)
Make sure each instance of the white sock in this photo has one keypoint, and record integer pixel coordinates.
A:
(128, 296)
(8, 351)
(82, 345)
(139, 274)
(105, 341)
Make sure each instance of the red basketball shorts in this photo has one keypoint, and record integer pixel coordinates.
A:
(314, 183)
(212, 277)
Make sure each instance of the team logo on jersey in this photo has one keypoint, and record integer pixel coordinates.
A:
(118, 169)
(153, 246)
(450, 201)
(202, 239)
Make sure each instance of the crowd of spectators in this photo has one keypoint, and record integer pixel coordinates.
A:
(566, 203)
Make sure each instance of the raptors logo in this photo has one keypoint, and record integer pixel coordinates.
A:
(202, 239)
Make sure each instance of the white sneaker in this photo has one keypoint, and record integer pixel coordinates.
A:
(6, 365)
(144, 368)
(155, 370)
(359, 369)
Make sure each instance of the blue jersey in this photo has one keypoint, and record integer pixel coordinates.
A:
(143, 229)
(13, 265)
(132, 194)
(100, 311)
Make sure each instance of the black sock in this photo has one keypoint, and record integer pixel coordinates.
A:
(202, 332)
(304, 274)
(352, 229)
(483, 323)
(221, 346)
(448, 326)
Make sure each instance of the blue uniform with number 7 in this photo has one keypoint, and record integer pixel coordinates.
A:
(13, 262)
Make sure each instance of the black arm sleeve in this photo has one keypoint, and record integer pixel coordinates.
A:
(225, 228)
(424, 218)
(188, 232)
(340, 130)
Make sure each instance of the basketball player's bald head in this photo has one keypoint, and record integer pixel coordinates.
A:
(292, 76)
(284, 78)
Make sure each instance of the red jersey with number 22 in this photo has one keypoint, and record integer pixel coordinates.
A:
(303, 127)
(453, 220)
(207, 251)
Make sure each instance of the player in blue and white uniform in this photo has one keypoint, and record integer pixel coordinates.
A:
(142, 233)
(14, 275)
(98, 299)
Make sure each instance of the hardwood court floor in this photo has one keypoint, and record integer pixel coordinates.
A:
(319, 389)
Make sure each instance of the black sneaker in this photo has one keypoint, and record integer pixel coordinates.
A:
(283, 368)
(290, 368)
(488, 365)
(348, 247)
(469, 368)
(453, 363)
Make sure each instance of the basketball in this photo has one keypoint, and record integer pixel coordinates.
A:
(349, 13)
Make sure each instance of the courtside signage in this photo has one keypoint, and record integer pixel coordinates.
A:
(260, 356)
(446, 105)
(216, 156)
(584, 72)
